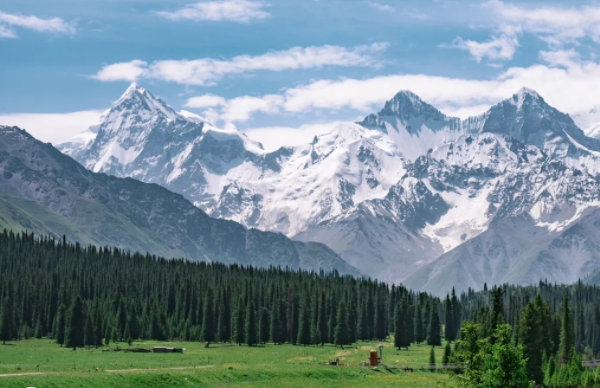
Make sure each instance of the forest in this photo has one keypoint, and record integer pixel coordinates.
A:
(93, 296)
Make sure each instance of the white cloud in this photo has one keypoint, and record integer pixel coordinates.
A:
(557, 25)
(207, 71)
(274, 137)
(52, 127)
(6, 32)
(242, 108)
(501, 47)
(53, 25)
(566, 83)
(242, 11)
(122, 71)
(236, 109)
(381, 7)
(205, 101)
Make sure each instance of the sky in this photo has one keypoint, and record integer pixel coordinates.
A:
(284, 71)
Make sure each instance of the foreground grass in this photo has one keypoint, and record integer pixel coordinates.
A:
(221, 365)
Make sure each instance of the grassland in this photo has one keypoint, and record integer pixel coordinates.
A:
(41, 363)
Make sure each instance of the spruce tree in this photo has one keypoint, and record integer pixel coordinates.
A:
(208, 319)
(530, 332)
(456, 314)
(240, 326)
(250, 336)
(341, 330)
(276, 323)
(449, 321)
(134, 325)
(121, 320)
(7, 323)
(315, 328)
(60, 325)
(399, 327)
(433, 330)
(447, 353)
(263, 325)
(432, 357)
(97, 322)
(74, 329)
(419, 329)
(566, 334)
(89, 337)
(304, 321)
(497, 308)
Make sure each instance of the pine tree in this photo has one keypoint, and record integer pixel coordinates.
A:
(530, 337)
(361, 326)
(121, 320)
(433, 330)
(447, 353)
(89, 336)
(60, 325)
(341, 330)
(276, 323)
(456, 314)
(432, 357)
(250, 336)
(315, 327)
(97, 322)
(449, 321)
(322, 320)
(419, 330)
(263, 326)
(208, 319)
(304, 321)
(107, 333)
(127, 334)
(74, 329)
(239, 324)
(7, 323)
(399, 327)
(134, 326)
(497, 308)
(566, 334)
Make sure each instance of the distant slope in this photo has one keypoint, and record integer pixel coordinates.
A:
(48, 192)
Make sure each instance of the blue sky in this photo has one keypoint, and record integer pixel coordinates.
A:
(289, 67)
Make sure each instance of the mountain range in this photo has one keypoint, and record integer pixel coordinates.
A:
(407, 195)
(47, 192)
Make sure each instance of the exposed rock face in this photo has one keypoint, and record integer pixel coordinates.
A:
(46, 191)
(406, 195)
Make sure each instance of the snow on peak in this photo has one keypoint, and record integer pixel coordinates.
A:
(525, 95)
(137, 99)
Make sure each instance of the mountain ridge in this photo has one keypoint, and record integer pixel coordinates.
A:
(130, 214)
(401, 189)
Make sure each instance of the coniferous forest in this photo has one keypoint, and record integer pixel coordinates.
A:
(91, 297)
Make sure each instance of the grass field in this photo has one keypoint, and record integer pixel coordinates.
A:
(44, 364)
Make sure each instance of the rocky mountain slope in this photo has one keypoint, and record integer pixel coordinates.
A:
(406, 195)
(46, 191)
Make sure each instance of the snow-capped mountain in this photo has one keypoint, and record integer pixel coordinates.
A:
(408, 194)
(45, 191)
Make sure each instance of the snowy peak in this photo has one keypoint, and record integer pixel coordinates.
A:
(527, 118)
(136, 100)
(414, 125)
(405, 107)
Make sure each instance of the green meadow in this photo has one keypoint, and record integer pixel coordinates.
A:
(41, 363)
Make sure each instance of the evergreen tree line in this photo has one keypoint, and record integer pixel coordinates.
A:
(89, 296)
